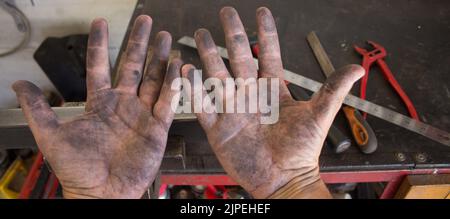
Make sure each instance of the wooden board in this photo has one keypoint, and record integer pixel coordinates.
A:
(425, 187)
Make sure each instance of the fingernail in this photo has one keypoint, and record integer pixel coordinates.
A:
(187, 70)
(201, 33)
(228, 11)
(263, 11)
(16, 85)
(99, 21)
(144, 18)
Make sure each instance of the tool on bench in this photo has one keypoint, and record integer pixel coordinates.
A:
(40, 182)
(377, 55)
(362, 132)
(335, 138)
(373, 109)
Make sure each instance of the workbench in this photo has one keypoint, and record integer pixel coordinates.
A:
(416, 35)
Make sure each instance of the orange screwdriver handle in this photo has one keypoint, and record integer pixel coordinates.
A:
(361, 131)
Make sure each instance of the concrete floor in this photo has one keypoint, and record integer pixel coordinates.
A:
(57, 19)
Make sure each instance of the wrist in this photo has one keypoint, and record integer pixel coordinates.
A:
(305, 185)
(101, 194)
(299, 188)
(303, 182)
(72, 195)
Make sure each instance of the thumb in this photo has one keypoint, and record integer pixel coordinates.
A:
(41, 118)
(328, 100)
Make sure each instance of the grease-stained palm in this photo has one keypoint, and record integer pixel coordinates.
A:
(115, 149)
(264, 157)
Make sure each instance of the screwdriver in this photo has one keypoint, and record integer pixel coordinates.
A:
(362, 132)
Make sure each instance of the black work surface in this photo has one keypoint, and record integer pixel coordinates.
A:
(415, 33)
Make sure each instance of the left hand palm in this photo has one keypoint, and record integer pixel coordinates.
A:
(116, 147)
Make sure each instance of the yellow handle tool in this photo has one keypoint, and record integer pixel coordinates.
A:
(16, 168)
(361, 131)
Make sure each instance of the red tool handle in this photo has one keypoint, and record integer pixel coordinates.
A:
(32, 177)
(390, 77)
(366, 65)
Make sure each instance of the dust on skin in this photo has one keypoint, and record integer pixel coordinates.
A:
(263, 158)
(115, 149)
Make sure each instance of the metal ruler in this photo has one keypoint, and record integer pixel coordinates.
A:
(373, 109)
(14, 118)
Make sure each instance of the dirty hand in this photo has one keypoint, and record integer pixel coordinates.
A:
(275, 160)
(115, 149)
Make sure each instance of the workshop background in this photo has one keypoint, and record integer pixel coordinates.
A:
(414, 33)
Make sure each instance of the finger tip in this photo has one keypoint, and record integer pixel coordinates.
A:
(143, 18)
(17, 85)
(265, 20)
(174, 70)
(262, 11)
(164, 39)
(348, 74)
(164, 34)
(99, 21)
(200, 32)
(227, 11)
(186, 69)
(203, 39)
(99, 25)
(357, 70)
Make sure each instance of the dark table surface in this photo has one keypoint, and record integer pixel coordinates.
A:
(416, 35)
